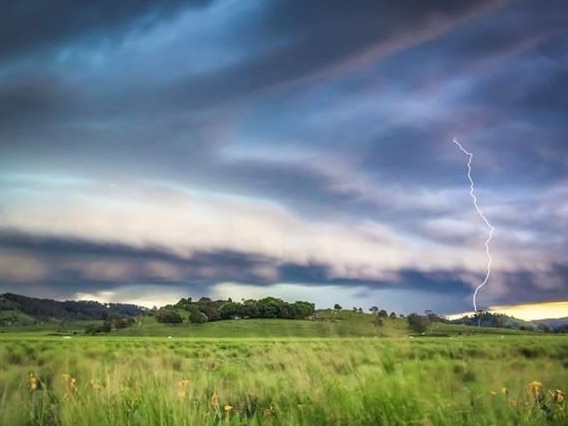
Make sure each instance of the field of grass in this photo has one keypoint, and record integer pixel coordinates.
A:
(332, 324)
(250, 379)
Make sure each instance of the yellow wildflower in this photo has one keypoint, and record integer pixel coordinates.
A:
(73, 385)
(228, 408)
(32, 381)
(559, 396)
(66, 377)
(535, 387)
(504, 391)
(96, 386)
(269, 411)
(215, 399)
(493, 393)
(182, 388)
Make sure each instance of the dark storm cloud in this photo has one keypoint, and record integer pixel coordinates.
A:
(28, 26)
(395, 155)
(59, 247)
(70, 269)
(72, 263)
(530, 287)
(240, 266)
(315, 36)
(307, 188)
(338, 28)
(340, 112)
(218, 265)
(200, 266)
(30, 98)
(345, 29)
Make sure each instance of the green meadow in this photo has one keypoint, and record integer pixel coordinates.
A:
(283, 372)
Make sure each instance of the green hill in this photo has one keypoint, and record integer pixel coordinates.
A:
(344, 324)
(491, 319)
(329, 325)
(269, 317)
(18, 310)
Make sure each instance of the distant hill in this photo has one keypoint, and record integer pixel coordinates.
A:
(27, 314)
(554, 323)
(22, 310)
(488, 319)
(17, 311)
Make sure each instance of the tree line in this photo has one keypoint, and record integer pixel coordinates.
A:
(207, 310)
(43, 310)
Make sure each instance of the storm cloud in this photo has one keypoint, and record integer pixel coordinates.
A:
(278, 147)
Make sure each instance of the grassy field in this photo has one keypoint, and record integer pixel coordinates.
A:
(272, 372)
(342, 324)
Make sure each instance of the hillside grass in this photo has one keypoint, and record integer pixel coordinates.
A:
(16, 317)
(330, 324)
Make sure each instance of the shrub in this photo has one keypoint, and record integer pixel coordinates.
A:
(418, 323)
(168, 316)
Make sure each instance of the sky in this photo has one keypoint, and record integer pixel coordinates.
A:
(153, 150)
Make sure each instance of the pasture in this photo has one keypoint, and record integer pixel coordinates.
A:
(155, 380)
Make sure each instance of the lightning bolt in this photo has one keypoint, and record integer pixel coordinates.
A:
(489, 226)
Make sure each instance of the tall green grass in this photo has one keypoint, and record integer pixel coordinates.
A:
(473, 380)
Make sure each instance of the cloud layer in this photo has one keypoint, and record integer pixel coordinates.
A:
(203, 147)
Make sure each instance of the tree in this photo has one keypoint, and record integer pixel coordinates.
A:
(168, 316)
(418, 323)
(378, 321)
(499, 321)
(230, 310)
(183, 303)
(479, 315)
(120, 323)
(337, 307)
(543, 328)
(270, 307)
(433, 316)
(303, 309)
(210, 309)
(383, 313)
(197, 317)
(392, 315)
(249, 308)
(374, 309)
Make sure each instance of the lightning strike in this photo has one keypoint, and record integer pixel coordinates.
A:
(489, 226)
